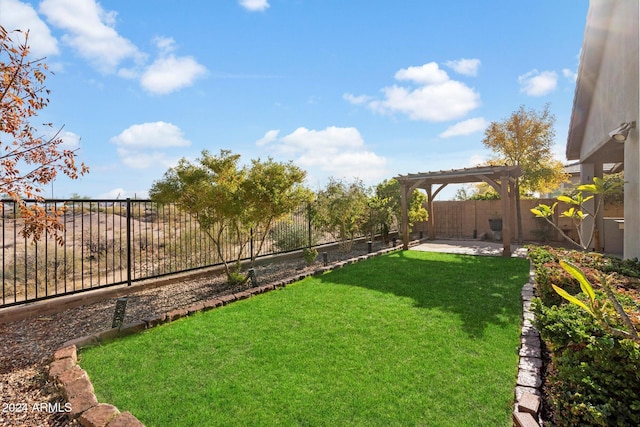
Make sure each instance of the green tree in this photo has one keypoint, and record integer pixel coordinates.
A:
(226, 198)
(479, 191)
(341, 210)
(525, 139)
(387, 199)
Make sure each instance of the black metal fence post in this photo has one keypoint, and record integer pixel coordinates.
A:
(309, 223)
(129, 241)
(251, 242)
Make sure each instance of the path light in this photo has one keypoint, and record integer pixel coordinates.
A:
(621, 133)
(118, 314)
(325, 258)
(252, 277)
(369, 246)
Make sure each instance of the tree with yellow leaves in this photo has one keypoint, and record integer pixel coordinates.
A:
(525, 139)
(28, 162)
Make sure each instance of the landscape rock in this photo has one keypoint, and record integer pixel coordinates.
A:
(66, 352)
(98, 416)
(125, 419)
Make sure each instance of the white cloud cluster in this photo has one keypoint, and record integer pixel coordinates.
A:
(169, 73)
(434, 97)
(538, 83)
(139, 144)
(334, 151)
(255, 5)
(15, 15)
(466, 127)
(90, 31)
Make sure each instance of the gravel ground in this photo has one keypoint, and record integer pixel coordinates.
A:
(28, 398)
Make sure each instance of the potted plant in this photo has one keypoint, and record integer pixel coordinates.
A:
(495, 223)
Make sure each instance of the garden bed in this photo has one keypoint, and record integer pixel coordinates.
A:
(591, 378)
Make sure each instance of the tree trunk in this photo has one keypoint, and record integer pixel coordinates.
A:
(519, 237)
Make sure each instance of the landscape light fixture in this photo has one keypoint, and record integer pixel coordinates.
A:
(621, 132)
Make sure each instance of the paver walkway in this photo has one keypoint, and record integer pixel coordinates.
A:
(469, 247)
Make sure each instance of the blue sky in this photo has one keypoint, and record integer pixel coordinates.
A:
(358, 88)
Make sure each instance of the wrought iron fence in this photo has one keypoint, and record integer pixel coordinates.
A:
(114, 242)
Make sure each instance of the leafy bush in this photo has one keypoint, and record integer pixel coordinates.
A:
(594, 377)
(310, 255)
(627, 267)
(288, 237)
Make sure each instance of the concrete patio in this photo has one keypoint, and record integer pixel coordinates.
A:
(469, 247)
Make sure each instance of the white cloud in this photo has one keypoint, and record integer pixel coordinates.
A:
(475, 160)
(535, 83)
(90, 30)
(427, 74)
(468, 67)
(255, 5)
(437, 98)
(165, 44)
(139, 146)
(170, 73)
(334, 151)
(356, 100)
(466, 127)
(15, 15)
(434, 103)
(268, 137)
(151, 135)
(70, 140)
(570, 74)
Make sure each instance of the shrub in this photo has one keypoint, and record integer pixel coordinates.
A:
(310, 255)
(540, 255)
(288, 237)
(593, 378)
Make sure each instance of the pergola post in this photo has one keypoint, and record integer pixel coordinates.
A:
(505, 194)
(404, 189)
(431, 219)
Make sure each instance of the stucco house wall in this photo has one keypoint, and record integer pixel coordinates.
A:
(607, 94)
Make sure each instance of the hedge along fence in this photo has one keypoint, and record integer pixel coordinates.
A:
(114, 242)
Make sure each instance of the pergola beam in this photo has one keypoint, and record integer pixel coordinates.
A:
(501, 178)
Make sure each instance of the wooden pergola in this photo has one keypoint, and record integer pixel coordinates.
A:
(502, 178)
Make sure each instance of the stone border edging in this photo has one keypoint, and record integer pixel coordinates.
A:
(74, 381)
(529, 382)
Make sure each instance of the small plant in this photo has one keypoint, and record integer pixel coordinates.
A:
(577, 211)
(236, 276)
(594, 307)
(310, 255)
(288, 237)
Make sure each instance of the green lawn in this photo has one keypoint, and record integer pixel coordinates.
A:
(409, 338)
